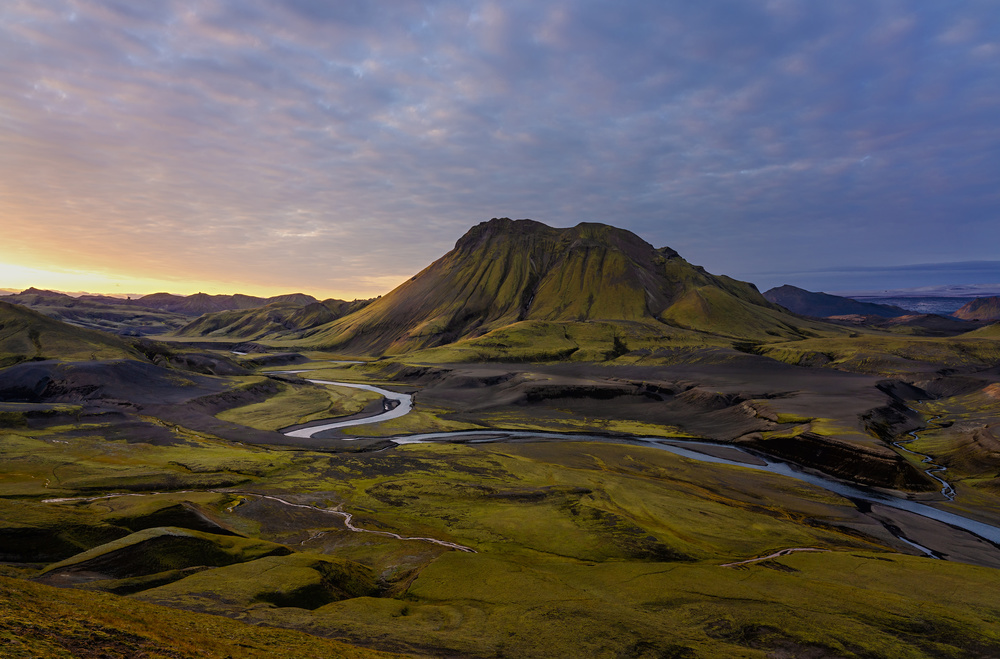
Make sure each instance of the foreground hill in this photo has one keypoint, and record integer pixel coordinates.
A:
(983, 308)
(275, 319)
(528, 278)
(27, 335)
(823, 305)
(42, 621)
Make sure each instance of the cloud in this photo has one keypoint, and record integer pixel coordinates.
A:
(337, 146)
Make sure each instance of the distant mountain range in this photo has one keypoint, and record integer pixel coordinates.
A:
(150, 314)
(513, 290)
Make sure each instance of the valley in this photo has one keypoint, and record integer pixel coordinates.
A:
(550, 442)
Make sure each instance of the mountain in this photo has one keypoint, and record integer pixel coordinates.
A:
(201, 303)
(525, 275)
(100, 312)
(982, 308)
(273, 320)
(823, 305)
(27, 335)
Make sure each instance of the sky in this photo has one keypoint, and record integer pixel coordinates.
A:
(337, 148)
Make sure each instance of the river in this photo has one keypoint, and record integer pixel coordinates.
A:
(695, 450)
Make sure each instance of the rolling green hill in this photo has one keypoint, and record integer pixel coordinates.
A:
(28, 335)
(504, 272)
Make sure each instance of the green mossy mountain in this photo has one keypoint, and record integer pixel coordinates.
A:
(504, 272)
(27, 335)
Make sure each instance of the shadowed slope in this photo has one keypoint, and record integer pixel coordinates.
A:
(200, 303)
(274, 319)
(821, 305)
(503, 272)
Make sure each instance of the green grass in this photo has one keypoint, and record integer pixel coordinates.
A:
(887, 354)
(167, 548)
(41, 621)
(850, 604)
(300, 580)
(295, 404)
(63, 461)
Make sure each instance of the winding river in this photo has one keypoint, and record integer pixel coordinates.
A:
(695, 450)
(395, 406)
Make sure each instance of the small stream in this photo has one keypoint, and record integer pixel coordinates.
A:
(934, 469)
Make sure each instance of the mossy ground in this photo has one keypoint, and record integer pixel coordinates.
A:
(41, 621)
(295, 404)
(583, 548)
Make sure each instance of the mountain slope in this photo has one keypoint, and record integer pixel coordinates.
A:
(26, 335)
(982, 308)
(504, 272)
(822, 305)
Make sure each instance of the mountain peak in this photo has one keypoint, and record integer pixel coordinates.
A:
(506, 271)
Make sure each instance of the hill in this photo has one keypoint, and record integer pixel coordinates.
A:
(27, 335)
(525, 277)
(982, 308)
(275, 319)
(201, 303)
(822, 305)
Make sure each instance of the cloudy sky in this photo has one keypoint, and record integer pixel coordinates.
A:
(336, 148)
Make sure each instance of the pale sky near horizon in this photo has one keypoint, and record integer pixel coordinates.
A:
(337, 148)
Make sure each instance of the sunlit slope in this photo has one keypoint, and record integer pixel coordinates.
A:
(504, 272)
(26, 334)
(983, 308)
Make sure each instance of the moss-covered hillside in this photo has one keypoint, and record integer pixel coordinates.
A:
(507, 271)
